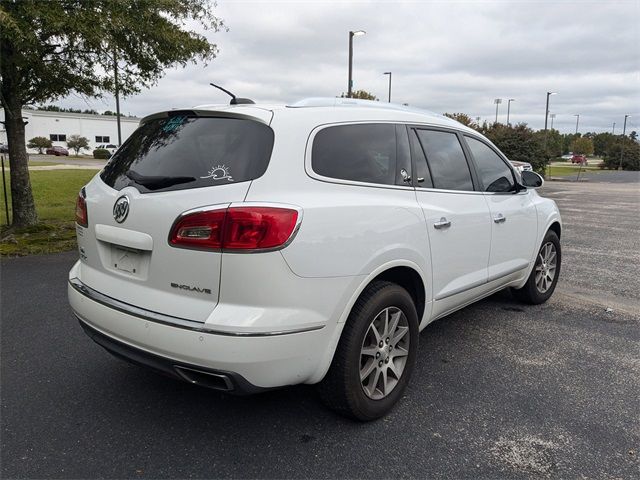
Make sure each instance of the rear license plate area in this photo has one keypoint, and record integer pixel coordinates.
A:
(127, 260)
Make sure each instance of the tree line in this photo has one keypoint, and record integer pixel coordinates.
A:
(521, 143)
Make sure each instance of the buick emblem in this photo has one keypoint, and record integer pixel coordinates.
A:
(121, 209)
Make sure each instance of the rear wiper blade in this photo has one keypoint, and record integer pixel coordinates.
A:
(156, 183)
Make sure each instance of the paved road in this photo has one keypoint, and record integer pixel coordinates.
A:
(500, 390)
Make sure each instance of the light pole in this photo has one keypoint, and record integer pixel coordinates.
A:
(613, 129)
(389, 73)
(577, 115)
(351, 35)
(509, 109)
(552, 115)
(546, 119)
(497, 101)
(624, 131)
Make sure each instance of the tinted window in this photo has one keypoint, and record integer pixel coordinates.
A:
(183, 151)
(422, 170)
(363, 153)
(447, 163)
(494, 173)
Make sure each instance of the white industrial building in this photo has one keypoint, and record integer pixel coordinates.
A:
(59, 126)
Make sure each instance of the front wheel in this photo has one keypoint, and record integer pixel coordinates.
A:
(544, 276)
(375, 356)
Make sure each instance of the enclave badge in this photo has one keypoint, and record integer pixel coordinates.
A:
(121, 209)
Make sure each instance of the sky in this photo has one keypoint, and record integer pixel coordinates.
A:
(445, 56)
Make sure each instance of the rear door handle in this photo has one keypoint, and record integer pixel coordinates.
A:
(499, 218)
(442, 223)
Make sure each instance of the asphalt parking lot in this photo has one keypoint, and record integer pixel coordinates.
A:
(501, 390)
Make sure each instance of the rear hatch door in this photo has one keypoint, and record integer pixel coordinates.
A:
(174, 162)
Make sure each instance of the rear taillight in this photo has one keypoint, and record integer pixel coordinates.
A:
(235, 229)
(82, 218)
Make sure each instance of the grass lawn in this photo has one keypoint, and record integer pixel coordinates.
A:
(55, 193)
(567, 170)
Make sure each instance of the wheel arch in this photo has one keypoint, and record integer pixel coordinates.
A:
(556, 227)
(406, 274)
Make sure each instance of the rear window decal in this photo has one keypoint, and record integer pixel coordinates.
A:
(219, 172)
(173, 123)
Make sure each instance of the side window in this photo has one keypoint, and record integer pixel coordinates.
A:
(360, 152)
(422, 169)
(494, 173)
(446, 160)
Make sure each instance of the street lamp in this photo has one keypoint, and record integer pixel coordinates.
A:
(577, 115)
(509, 109)
(546, 119)
(624, 131)
(497, 101)
(553, 115)
(351, 35)
(389, 73)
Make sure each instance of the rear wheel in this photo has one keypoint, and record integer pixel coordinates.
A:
(376, 354)
(544, 276)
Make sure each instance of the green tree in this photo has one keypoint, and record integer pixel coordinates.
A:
(582, 146)
(81, 38)
(602, 142)
(567, 140)
(40, 143)
(517, 142)
(463, 118)
(77, 143)
(630, 156)
(361, 94)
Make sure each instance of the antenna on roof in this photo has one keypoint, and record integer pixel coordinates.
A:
(234, 100)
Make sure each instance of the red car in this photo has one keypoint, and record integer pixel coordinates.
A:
(579, 159)
(57, 151)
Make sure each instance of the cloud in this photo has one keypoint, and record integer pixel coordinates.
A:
(454, 56)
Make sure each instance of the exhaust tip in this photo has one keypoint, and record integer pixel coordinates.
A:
(215, 381)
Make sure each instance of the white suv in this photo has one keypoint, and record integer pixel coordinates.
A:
(248, 247)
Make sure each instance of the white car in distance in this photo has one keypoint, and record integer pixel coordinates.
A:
(248, 247)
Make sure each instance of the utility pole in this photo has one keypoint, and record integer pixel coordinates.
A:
(117, 93)
(613, 130)
(577, 115)
(497, 101)
(553, 115)
(624, 131)
(509, 109)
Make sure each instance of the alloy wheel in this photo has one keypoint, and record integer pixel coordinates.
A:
(384, 352)
(546, 267)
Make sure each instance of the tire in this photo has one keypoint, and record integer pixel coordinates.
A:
(539, 289)
(358, 352)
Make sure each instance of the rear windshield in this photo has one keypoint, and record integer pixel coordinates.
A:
(182, 151)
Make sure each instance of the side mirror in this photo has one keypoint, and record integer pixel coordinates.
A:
(531, 179)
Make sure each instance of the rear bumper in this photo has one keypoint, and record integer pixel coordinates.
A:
(216, 379)
(249, 363)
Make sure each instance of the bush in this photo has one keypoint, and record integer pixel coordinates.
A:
(101, 154)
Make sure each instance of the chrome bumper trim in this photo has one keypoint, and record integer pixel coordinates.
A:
(170, 320)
